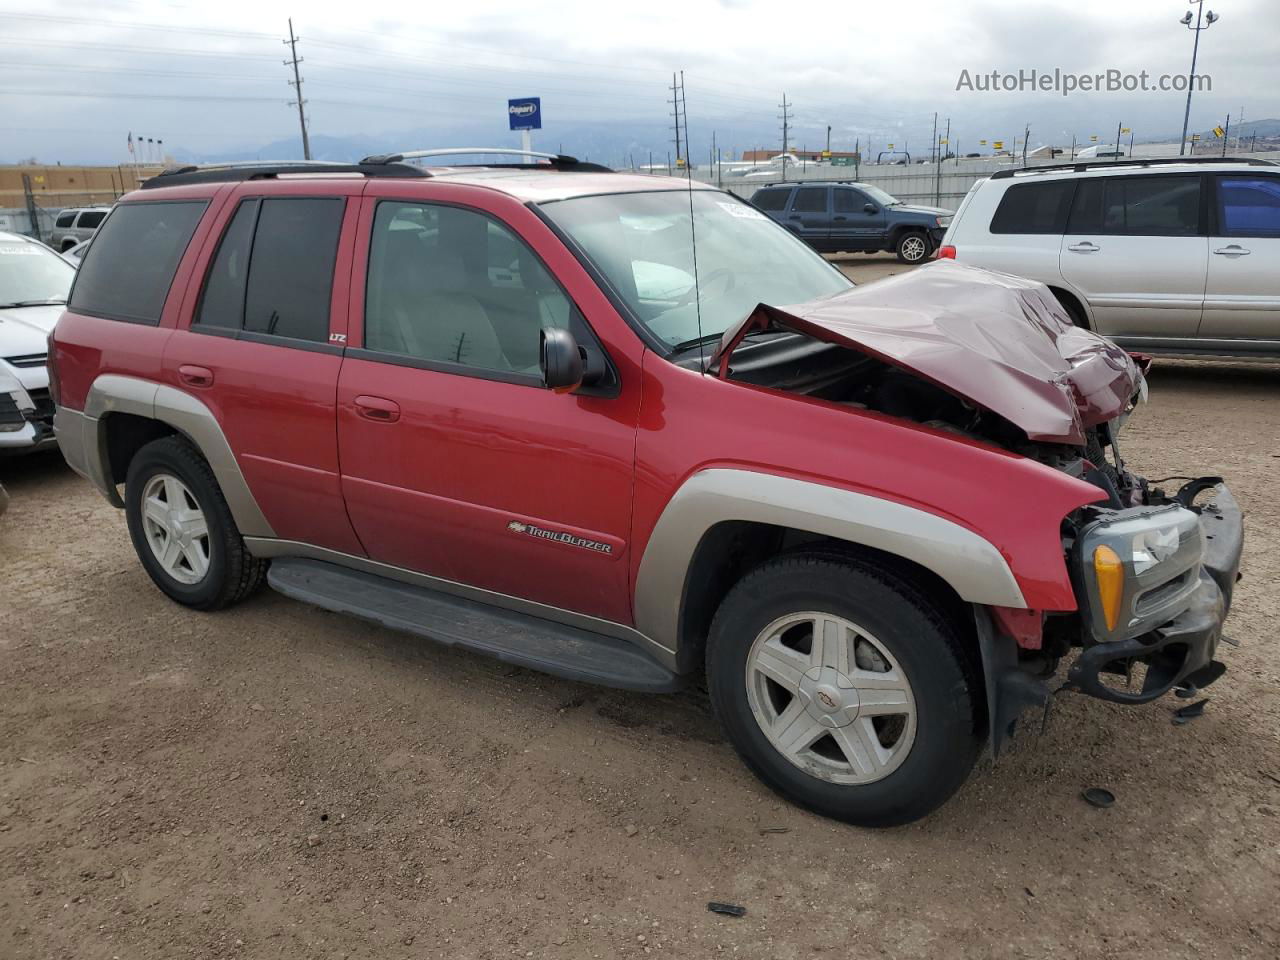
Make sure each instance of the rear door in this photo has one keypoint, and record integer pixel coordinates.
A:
(856, 222)
(809, 216)
(263, 347)
(1242, 298)
(1136, 251)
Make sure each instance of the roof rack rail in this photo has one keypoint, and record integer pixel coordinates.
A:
(260, 170)
(804, 183)
(556, 161)
(1077, 166)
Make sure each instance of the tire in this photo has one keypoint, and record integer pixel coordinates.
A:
(912, 247)
(927, 742)
(68, 244)
(210, 571)
(1073, 308)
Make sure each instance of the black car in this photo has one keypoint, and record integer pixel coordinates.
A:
(837, 216)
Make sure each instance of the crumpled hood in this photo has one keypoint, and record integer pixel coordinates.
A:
(998, 341)
(25, 330)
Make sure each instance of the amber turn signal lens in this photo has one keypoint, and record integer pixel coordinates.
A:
(1109, 570)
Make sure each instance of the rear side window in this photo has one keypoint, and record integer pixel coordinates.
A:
(772, 200)
(135, 255)
(1249, 207)
(222, 304)
(291, 267)
(273, 272)
(1034, 208)
(810, 200)
(91, 218)
(65, 219)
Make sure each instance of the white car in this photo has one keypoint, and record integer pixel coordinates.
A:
(1169, 257)
(34, 282)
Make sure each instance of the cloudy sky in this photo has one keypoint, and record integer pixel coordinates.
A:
(209, 78)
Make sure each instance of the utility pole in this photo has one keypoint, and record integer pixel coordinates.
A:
(296, 83)
(1119, 130)
(1226, 135)
(935, 137)
(1026, 138)
(785, 117)
(937, 174)
(675, 113)
(684, 111)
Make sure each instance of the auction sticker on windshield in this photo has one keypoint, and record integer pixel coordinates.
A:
(741, 210)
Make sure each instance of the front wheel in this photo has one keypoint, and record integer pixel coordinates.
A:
(182, 528)
(912, 247)
(844, 689)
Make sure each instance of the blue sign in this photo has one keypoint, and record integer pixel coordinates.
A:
(525, 113)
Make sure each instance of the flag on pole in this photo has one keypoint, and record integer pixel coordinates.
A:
(130, 143)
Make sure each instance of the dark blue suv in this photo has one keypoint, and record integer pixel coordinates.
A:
(841, 215)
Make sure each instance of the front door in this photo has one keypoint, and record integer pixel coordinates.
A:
(856, 222)
(809, 217)
(1242, 299)
(456, 461)
(1136, 252)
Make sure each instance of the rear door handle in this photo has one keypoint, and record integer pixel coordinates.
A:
(194, 376)
(1084, 247)
(1232, 250)
(795, 216)
(378, 409)
(839, 218)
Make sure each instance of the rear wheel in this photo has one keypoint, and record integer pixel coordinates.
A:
(844, 689)
(182, 528)
(912, 247)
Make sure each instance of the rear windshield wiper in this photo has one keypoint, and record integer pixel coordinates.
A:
(32, 303)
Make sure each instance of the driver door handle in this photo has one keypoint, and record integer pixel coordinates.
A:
(1084, 247)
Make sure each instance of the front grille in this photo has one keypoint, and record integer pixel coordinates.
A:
(29, 360)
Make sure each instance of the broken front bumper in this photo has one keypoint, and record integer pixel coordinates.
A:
(1178, 652)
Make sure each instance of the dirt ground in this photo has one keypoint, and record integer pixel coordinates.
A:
(277, 781)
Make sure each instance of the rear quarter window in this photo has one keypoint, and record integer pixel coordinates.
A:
(135, 255)
(1034, 208)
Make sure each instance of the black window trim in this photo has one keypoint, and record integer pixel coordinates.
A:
(142, 321)
(611, 388)
(1203, 224)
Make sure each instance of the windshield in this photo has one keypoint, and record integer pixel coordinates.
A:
(641, 243)
(878, 195)
(30, 273)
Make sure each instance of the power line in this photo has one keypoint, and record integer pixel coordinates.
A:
(296, 83)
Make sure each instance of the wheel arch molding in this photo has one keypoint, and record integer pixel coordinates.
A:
(112, 394)
(713, 498)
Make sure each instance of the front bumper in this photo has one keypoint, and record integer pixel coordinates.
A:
(1180, 651)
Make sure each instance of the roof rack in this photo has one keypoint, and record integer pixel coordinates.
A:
(805, 183)
(259, 170)
(555, 161)
(1081, 166)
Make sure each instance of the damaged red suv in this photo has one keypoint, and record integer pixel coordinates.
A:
(630, 431)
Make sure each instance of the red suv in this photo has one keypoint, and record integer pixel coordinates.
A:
(625, 429)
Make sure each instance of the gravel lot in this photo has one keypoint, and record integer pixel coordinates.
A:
(277, 781)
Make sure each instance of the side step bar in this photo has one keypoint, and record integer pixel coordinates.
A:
(515, 638)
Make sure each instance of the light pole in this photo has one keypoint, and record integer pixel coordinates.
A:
(1210, 19)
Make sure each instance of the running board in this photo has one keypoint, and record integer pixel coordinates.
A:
(512, 637)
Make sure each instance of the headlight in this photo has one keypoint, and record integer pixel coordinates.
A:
(1139, 568)
(944, 221)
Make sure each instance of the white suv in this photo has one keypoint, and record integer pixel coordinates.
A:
(1169, 257)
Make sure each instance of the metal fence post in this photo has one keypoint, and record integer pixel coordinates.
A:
(33, 212)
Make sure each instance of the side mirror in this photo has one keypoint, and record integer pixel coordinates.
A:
(560, 359)
(869, 208)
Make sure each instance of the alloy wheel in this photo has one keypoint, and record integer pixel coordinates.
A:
(831, 698)
(175, 528)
